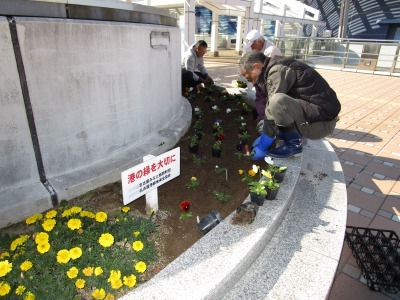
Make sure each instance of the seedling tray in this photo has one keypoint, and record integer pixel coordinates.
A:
(378, 255)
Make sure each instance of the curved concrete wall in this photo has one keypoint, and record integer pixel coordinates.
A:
(103, 95)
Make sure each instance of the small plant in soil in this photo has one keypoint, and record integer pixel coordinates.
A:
(244, 137)
(193, 183)
(219, 170)
(198, 160)
(193, 140)
(272, 184)
(215, 109)
(185, 206)
(217, 145)
(221, 196)
(197, 112)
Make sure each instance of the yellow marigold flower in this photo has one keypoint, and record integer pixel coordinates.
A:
(49, 224)
(43, 248)
(75, 209)
(5, 267)
(106, 240)
(75, 253)
(88, 214)
(99, 294)
(109, 297)
(88, 271)
(193, 178)
(19, 242)
(130, 281)
(4, 288)
(32, 219)
(72, 272)
(114, 275)
(101, 217)
(4, 255)
(66, 213)
(26, 265)
(137, 245)
(63, 256)
(98, 271)
(74, 224)
(29, 296)
(116, 283)
(136, 233)
(251, 173)
(125, 209)
(42, 237)
(20, 290)
(51, 214)
(241, 172)
(140, 267)
(80, 283)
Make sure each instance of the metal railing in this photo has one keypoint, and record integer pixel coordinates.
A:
(375, 56)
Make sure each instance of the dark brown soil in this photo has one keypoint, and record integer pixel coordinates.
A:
(175, 235)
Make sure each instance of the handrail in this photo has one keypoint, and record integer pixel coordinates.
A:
(359, 54)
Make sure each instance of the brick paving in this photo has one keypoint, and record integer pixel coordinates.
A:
(367, 142)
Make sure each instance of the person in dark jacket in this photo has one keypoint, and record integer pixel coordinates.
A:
(300, 103)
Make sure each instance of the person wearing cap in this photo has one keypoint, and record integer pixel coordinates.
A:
(192, 61)
(254, 41)
(300, 103)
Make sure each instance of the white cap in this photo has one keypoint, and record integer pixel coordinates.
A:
(251, 37)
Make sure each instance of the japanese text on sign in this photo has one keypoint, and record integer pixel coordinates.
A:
(150, 174)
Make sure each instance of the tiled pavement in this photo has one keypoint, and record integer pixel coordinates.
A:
(367, 142)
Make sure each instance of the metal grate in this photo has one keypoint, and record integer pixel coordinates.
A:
(378, 255)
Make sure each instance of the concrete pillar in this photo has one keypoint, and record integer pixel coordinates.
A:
(344, 16)
(262, 24)
(278, 28)
(249, 18)
(214, 34)
(280, 25)
(299, 29)
(190, 23)
(314, 31)
(239, 35)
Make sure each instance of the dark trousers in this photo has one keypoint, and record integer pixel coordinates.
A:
(187, 79)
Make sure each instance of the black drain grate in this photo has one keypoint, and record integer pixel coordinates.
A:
(378, 255)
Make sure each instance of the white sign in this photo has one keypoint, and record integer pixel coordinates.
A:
(142, 178)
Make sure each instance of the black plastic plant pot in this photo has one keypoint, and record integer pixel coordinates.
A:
(257, 198)
(194, 149)
(279, 176)
(271, 194)
(216, 152)
(210, 220)
(198, 133)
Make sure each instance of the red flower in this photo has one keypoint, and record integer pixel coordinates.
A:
(185, 205)
(221, 136)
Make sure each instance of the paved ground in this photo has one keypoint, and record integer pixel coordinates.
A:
(367, 142)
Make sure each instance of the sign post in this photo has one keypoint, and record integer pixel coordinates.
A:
(143, 179)
(152, 196)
